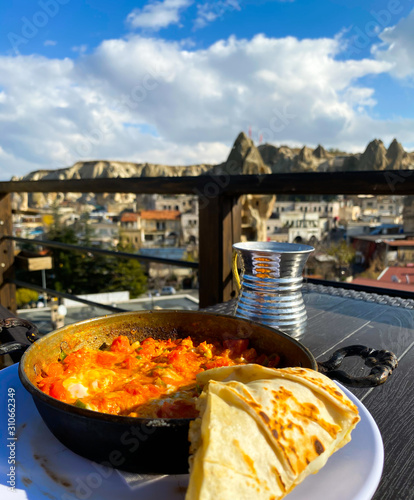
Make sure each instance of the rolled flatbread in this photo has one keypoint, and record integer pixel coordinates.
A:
(261, 431)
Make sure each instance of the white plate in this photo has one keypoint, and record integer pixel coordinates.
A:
(47, 469)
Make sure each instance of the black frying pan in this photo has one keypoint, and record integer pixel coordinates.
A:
(159, 445)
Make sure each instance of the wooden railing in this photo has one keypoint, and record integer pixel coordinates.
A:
(219, 211)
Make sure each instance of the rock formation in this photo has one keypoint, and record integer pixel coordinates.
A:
(395, 156)
(245, 158)
(285, 159)
(305, 161)
(320, 152)
(374, 157)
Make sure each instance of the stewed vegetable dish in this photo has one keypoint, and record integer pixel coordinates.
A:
(148, 379)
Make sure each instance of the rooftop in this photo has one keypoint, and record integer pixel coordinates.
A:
(393, 277)
(160, 214)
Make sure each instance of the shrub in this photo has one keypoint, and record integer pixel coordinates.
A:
(25, 296)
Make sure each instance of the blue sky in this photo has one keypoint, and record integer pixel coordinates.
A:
(174, 81)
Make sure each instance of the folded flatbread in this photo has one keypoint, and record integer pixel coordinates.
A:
(261, 431)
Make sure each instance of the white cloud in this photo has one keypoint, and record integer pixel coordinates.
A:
(49, 43)
(151, 100)
(156, 15)
(209, 11)
(80, 48)
(397, 47)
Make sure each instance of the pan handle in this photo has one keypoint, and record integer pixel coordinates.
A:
(32, 335)
(382, 364)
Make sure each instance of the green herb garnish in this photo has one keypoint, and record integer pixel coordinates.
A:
(80, 404)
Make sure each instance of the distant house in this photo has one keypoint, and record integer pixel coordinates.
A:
(303, 227)
(189, 225)
(105, 233)
(130, 229)
(160, 227)
(397, 248)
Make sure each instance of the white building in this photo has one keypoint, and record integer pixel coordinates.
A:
(189, 227)
(179, 202)
(304, 227)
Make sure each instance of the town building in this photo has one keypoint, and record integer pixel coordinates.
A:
(151, 228)
(299, 226)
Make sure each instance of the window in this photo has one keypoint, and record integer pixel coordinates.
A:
(160, 226)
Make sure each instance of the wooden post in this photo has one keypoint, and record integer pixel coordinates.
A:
(7, 290)
(219, 228)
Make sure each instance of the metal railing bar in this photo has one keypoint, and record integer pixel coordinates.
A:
(64, 295)
(362, 288)
(110, 253)
(394, 182)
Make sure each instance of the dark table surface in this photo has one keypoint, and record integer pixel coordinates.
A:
(345, 319)
(341, 318)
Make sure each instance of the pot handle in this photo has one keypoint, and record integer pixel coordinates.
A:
(382, 364)
(32, 335)
(236, 271)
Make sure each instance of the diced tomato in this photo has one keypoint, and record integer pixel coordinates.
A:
(58, 391)
(130, 363)
(77, 359)
(182, 359)
(177, 354)
(262, 360)
(120, 344)
(105, 358)
(150, 347)
(177, 409)
(217, 363)
(187, 342)
(106, 405)
(152, 391)
(236, 346)
(250, 355)
(55, 369)
(46, 383)
(274, 361)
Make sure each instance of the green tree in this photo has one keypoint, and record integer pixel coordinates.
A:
(127, 274)
(25, 296)
(345, 255)
(343, 252)
(87, 272)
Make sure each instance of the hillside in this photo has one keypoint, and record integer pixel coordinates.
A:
(244, 158)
